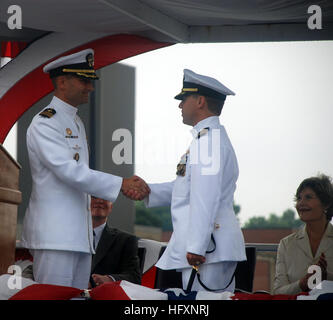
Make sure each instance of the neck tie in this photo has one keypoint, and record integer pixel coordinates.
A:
(94, 242)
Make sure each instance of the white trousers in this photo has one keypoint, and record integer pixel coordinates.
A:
(214, 276)
(63, 268)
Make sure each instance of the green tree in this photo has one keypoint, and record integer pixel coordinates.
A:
(159, 217)
(237, 208)
(287, 220)
(146, 217)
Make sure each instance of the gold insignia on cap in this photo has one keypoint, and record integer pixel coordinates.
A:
(87, 75)
(76, 157)
(216, 226)
(190, 89)
(69, 131)
(90, 59)
(78, 70)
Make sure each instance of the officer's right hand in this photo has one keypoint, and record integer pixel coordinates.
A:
(195, 259)
(135, 188)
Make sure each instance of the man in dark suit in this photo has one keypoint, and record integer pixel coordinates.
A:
(116, 255)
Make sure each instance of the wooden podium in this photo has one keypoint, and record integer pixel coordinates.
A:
(10, 198)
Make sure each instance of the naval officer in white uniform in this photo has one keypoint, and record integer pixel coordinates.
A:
(206, 231)
(57, 225)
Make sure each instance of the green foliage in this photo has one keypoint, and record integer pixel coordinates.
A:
(161, 217)
(158, 217)
(237, 208)
(287, 220)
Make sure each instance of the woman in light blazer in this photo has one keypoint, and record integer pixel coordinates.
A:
(312, 244)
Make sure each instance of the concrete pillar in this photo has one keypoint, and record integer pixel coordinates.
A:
(115, 113)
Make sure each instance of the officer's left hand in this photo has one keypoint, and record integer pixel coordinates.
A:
(195, 259)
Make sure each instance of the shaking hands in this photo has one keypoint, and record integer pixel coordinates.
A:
(135, 188)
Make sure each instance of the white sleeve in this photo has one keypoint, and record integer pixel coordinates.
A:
(160, 195)
(47, 143)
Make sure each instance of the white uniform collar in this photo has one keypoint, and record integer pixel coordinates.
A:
(207, 122)
(60, 105)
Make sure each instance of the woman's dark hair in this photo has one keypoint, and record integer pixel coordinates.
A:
(323, 188)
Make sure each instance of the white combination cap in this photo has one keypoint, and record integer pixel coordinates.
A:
(204, 85)
(80, 64)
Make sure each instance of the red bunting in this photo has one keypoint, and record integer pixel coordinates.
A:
(46, 292)
(264, 296)
(148, 278)
(106, 291)
(109, 291)
(114, 291)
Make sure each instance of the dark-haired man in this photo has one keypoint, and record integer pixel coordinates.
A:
(206, 232)
(57, 225)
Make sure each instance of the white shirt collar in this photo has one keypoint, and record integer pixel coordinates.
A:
(207, 122)
(60, 105)
(98, 233)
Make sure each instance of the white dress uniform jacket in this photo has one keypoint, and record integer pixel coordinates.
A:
(58, 216)
(202, 201)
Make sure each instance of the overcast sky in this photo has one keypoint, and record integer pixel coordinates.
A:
(280, 121)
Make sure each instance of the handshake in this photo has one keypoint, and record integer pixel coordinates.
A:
(135, 188)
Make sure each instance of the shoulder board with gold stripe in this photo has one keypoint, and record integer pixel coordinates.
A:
(203, 132)
(48, 113)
